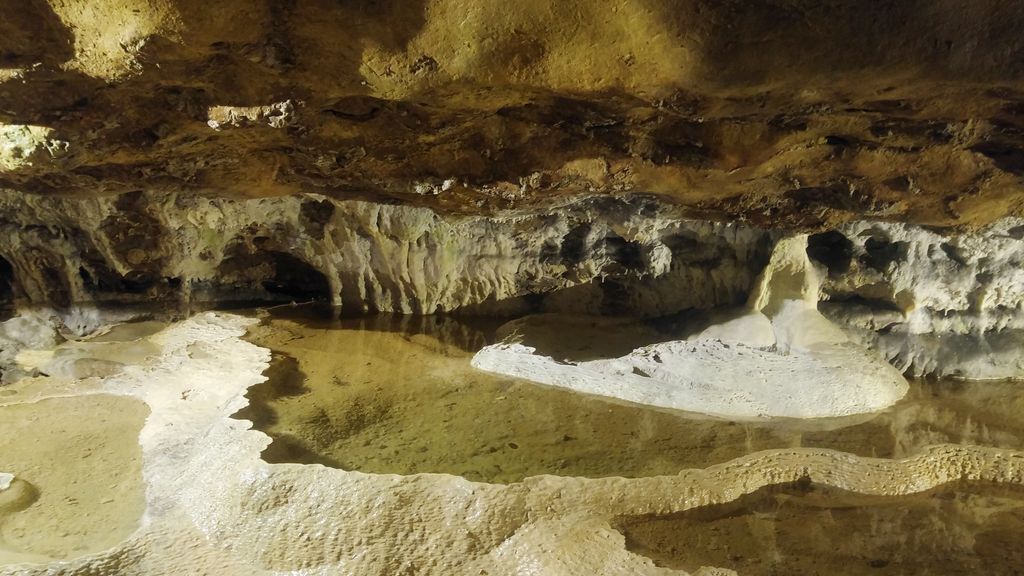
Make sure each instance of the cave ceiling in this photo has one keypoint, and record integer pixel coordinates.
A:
(805, 113)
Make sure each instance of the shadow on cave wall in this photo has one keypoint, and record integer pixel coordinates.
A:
(6, 288)
(749, 43)
(30, 33)
(266, 276)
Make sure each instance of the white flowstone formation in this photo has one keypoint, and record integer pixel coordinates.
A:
(780, 359)
(933, 304)
(374, 257)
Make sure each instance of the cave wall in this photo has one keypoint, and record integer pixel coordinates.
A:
(597, 254)
(637, 157)
(933, 300)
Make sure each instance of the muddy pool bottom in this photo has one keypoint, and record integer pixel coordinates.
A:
(77, 468)
(397, 395)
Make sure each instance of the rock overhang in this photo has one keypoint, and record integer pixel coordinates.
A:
(786, 113)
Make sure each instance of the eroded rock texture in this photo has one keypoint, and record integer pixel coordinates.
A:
(614, 157)
(600, 254)
(918, 293)
(432, 155)
(214, 507)
(788, 111)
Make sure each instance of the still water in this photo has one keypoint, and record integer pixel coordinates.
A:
(397, 395)
(963, 528)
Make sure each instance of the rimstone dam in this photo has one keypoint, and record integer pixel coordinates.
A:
(492, 288)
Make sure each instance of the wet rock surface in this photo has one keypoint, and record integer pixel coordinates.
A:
(901, 289)
(77, 485)
(212, 505)
(360, 409)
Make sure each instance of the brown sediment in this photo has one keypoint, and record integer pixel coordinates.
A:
(79, 459)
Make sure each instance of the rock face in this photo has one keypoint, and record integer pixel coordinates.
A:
(368, 257)
(935, 304)
(847, 174)
(451, 155)
(914, 292)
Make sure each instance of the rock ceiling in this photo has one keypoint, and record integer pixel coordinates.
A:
(805, 113)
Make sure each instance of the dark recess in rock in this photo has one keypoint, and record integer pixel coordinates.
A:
(953, 253)
(880, 252)
(1006, 156)
(574, 244)
(6, 282)
(297, 280)
(833, 249)
(624, 253)
(315, 216)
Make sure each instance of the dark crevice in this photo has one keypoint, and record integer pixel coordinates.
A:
(268, 275)
(56, 287)
(6, 286)
(1006, 157)
(296, 279)
(832, 249)
(880, 252)
(574, 244)
(689, 251)
(848, 301)
(953, 253)
(314, 217)
(624, 253)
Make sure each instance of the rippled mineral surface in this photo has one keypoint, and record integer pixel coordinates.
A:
(271, 439)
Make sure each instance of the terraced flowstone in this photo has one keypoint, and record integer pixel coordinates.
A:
(212, 505)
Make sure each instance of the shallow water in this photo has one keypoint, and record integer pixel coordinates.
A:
(393, 395)
(816, 530)
(78, 484)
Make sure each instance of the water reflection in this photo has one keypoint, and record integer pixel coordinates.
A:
(397, 395)
(954, 529)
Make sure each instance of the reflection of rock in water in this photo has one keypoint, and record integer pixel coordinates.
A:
(466, 333)
(389, 401)
(970, 528)
(408, 401)
(633, 254)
